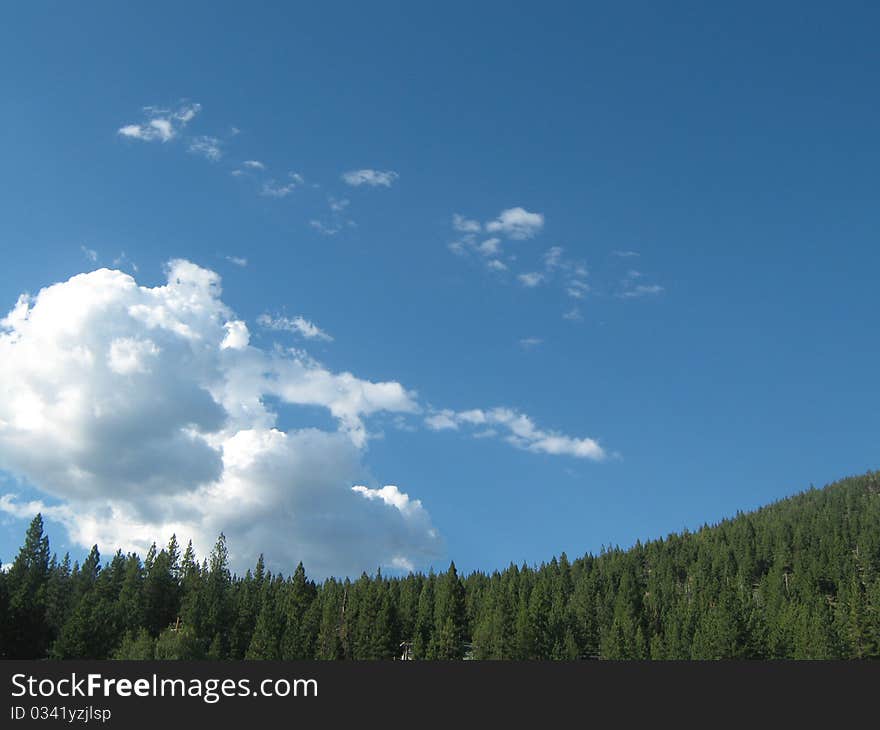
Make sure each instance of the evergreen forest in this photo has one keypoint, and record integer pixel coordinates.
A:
(798, 579)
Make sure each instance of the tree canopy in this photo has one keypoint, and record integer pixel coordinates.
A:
(798, 579)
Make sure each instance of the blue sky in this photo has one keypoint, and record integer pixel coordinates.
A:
(731, 362)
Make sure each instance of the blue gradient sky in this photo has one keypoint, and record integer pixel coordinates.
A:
(734, 149)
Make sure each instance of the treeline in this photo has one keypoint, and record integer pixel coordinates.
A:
(797, 579)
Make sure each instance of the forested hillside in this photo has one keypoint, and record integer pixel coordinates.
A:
(797, 579)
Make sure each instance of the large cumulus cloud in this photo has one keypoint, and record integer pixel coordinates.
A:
(143, 411)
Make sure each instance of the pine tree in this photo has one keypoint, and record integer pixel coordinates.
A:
(299, 596)
(140, 646)
(246, 608)
(27, 632)
(541, 630)
(93, 629)
(386, 632)
(160, 593)
(218, 613)
(58, 596)
(798, 579)
(329, 644)
(449, 617)
(130, 605)
(193, 594)
(266, 641)
(179, 643)
(423, 646)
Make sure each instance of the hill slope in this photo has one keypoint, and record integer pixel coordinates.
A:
(796, 579)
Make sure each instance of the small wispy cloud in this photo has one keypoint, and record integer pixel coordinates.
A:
(632, 286)
(625, 254)
(336, 205)
(249, 167)
(573, 315)
(518, 430)
(89, 253)
(122, 262)
(528, 343)
(296, 325)
(273, 189)
(370, 178)
(516, 223)
(206, 146)
(325, 229)
(337, 219)
(160, 129)
(641, 290)
(531, 279)
(161, 125)
(465, 225)
(571, 274)
(553, 257)
(237, 260)
(512, 224)
(490, 247)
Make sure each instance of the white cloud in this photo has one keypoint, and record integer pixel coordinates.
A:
(573, 315)
(531, 279)
(641, 290)
(518, 430)
(89, 253)
(391, 496)
(570, 274)
(464, 225)
(490, 247)
(272, 189)
(237, 260)
(129, 355)
(297, 325)
(625, 254)
(207, 147)
(370, 178)
(527, 343)
(442, 420)
(337, 219)
(237, 336)
(159, 129)
(122, 261)
(141, 411)
(254, 164)
(325, 229)
(516, 223)
(553, 257)
(513, 223)
(161, 125)
(631, 288)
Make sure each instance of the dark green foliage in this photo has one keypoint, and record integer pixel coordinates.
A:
(26, 631)
(799, 579)
(140, 646)
(266, 640)
(450, 623)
